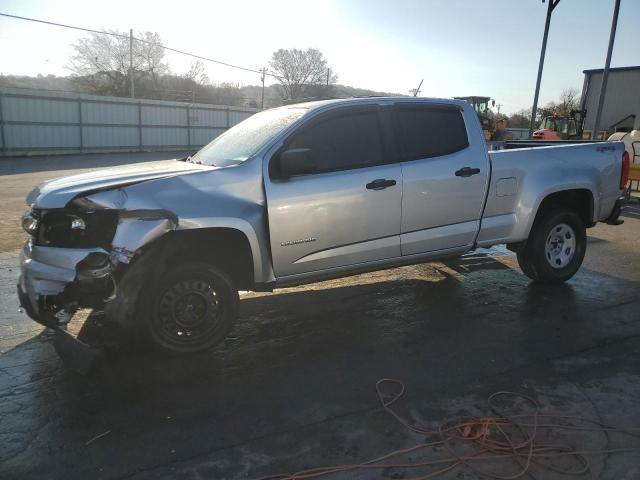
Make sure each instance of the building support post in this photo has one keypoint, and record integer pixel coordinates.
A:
(3, 138)
(140, 126)
(534, 110)
(605, 73)
(80, 128)
(188, 127)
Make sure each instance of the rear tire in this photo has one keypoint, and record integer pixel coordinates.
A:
(191, 309)
(556, 246)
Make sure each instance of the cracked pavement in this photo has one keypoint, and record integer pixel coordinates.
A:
(293, 385)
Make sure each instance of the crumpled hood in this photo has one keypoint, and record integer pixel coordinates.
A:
(57, 193)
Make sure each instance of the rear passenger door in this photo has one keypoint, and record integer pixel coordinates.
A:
(444, 177)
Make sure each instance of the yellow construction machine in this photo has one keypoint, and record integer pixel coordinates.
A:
(494, 128)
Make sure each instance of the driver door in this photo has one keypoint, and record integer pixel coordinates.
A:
(349, 210)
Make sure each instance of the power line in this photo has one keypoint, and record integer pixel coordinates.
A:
(16, 17)
(203, 58)
(114, 34)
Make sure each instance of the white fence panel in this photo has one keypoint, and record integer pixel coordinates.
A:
(208, 118)
(519, 133)
(21, 109)
(155, 115)
(50, 122)
(167, 137)
(41, 137)
(202, 136)
(237, 117)
(116, 137)
(106, 113)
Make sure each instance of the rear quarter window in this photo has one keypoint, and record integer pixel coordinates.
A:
(429, 131)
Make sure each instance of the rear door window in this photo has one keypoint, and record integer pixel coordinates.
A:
(429, 131)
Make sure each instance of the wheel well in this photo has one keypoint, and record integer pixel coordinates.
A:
(226, 248)
(579, 200)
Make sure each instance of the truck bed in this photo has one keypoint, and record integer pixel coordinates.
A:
(521, 177)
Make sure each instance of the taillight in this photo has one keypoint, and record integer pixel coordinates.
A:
(624, 176)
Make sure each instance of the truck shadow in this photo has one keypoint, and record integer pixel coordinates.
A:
(338, 317)
(335, 318)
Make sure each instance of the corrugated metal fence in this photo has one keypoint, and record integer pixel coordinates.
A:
(519, 133)
(50, 122)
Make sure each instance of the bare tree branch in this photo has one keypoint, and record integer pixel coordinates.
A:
(101, 62)
(301, 73)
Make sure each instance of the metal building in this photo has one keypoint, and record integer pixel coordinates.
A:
(621, 111)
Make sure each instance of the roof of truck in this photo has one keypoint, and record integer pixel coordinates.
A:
(312, 105)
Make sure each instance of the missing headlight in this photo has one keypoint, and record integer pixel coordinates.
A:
(76, 229)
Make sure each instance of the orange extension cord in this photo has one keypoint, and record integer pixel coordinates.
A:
(500, 439)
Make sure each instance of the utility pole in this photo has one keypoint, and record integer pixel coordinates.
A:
(534, 110)
(605, 73)
(498, 106)
(416, 91)
(264, 72)
(131, 62)
(328, 75)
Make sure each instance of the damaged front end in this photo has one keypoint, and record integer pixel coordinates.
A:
(76, 256)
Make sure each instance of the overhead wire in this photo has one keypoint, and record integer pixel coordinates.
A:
(124, 36)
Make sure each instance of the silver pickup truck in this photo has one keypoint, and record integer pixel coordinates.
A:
(299, 194)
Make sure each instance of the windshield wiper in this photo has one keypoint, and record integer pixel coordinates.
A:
(188, 158)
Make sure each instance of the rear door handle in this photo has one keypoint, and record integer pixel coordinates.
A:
(380, 184)
(467, 172)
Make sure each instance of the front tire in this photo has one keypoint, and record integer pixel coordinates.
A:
(192, 308)
(556, 246)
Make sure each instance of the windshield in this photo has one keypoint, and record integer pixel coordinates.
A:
(243, 140)
(549, 123)
(481, 107)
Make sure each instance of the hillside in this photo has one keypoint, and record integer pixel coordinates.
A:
(248, 95)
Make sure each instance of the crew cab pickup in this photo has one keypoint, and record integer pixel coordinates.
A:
(299, 194)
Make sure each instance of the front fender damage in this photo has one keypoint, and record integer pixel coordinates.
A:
(55, 282)
(137, 228)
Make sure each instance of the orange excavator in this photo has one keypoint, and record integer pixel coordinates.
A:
(555, 127)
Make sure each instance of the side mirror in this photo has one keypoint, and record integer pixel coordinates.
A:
(296, 161)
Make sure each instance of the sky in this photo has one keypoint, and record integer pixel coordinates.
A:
(458, 47)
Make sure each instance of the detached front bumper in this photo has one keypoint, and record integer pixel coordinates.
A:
(52, 281)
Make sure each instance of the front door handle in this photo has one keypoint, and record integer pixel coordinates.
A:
(467, 172)
(380, 184)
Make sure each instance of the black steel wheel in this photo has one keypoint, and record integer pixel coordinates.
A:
(193, 308)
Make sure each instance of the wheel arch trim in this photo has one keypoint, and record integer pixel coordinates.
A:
(547, 194)
(262, 271)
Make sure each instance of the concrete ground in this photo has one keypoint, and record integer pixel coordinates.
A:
(293, 387)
